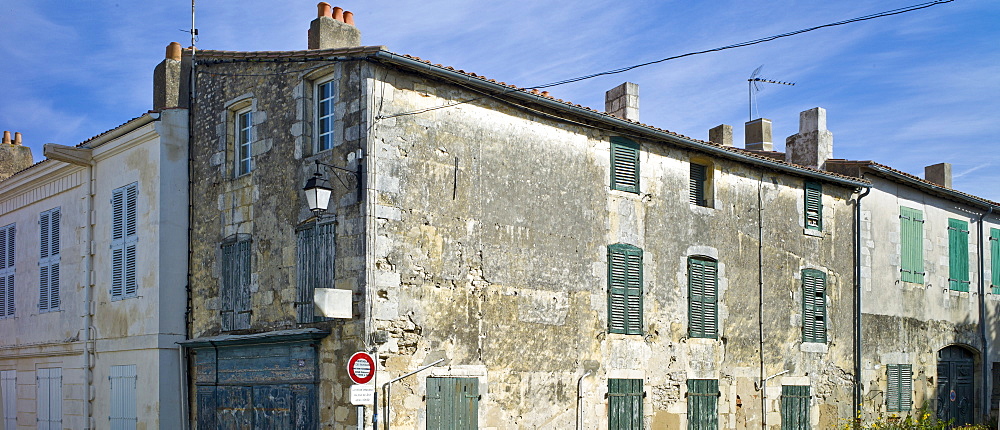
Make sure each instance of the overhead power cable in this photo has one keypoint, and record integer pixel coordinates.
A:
(722, 48)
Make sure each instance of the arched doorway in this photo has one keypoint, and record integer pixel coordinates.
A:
(955, 385)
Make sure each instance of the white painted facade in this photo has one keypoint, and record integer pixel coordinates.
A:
(140, 329)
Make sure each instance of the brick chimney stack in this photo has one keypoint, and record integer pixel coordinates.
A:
(757, 134)
(170, 84)
(939, 174)
(14, 157)
(813, 145)
(623, 101)
(333, 28)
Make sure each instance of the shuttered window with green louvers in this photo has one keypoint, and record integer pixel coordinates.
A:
(795, 407)
(625, 404)
(624, 165)
(703, 298)
(958, 255)
(813, 306)
(703, 404)
(814, 205)
(452, 403)
(899, 387)
(699, 184)
(995, 259)
(911, 227)
(624, 289)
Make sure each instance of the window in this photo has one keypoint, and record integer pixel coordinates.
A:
(124, 202)
(324, 116)
(813, 306)
(123, 416)
(814, 205)
(452, 403)
(8, 390)
(624, 404)
(911, 230)
(624, 289)
(7, 253)
(958, 255)
(48, 274)
(235, 292)
(995, 259)
(703, 297)
(315, 266)
(703, 404)
(244, 126)
(624, 165)
(795, 407)
(699, 184)
(899, 387)
(49, 398)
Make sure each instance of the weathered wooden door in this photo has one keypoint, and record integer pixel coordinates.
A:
(452, 403)
(955, 385)
(795, 407)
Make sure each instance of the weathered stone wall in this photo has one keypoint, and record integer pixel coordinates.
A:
(493, 255)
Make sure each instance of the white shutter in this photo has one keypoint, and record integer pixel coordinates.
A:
(8, 386)
(49, 398)
(7, 271)
(48, 274)
(124, 236)
(123, 400)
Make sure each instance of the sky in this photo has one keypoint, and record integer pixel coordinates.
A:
(908, 91)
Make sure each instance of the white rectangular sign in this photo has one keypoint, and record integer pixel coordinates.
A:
(362, 394)
(333, 303)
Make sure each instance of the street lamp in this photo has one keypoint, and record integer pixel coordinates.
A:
(318, 190)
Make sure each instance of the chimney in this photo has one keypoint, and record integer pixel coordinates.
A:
(813, 145)
(758, 135)
(14, 157)
(169, 87)
(722, 134)
(939, 174)
(623, 101)
(333, 29)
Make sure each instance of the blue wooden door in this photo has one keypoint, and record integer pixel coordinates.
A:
(955, 386)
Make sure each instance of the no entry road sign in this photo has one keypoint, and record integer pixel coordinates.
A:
(361, 367)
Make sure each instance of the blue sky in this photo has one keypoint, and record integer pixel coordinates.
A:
(908, 91)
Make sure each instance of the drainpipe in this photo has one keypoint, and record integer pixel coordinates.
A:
(857, 307)
(982, 317)
(579, 400)
(88, 300)
(760, 297)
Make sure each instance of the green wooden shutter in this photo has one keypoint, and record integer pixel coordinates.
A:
(624, 165)
(899, 387)
(703, 313)
(958, 255)
(625, 404)
(452, 403)
(795, 407)
(813, 306)
(911, 245)
(699, 176)
(814, 205)
(624, 289)
(702, 404)
(995, 257)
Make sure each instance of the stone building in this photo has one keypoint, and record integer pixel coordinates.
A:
(558, 266)
(930, 259)
(92, 279)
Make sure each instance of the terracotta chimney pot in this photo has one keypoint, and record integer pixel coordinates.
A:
(349, 18)
(174, 51)
(323, 10)
(338, 13)
(6, 137)
(17, 138)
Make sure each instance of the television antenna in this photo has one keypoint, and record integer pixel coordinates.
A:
(753, 87)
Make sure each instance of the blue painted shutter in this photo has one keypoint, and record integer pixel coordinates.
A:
(124, 237)
(703, 404)
(911, 245)
(48, 271)
(814, 205)
(625, 404)
(7, 267)
(316, 257)
(958, 255)
(123, 397)
(703, 291)
(235, 307)
(813, 306)
(624, 165)
(795, 407)
(625, 300)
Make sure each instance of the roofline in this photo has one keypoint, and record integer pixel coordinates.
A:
(948, 192)
(599, 116)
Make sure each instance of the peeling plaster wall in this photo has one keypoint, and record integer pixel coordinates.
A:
(908, 323)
